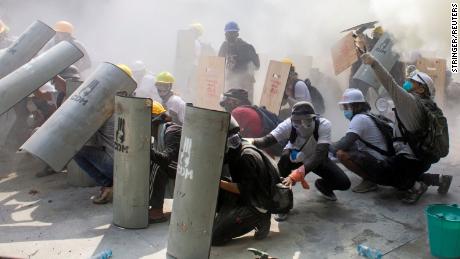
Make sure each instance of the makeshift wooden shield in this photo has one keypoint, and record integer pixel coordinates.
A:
(344, 53)
(436, 69)
(210, 82)
(275, 84)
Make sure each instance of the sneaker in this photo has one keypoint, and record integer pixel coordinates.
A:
(105, 196)
(444, 183)
(365, 186)
(281, 217)
(263, 228)
(413, 194)
(327, 194)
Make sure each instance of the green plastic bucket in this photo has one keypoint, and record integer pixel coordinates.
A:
(444, 230)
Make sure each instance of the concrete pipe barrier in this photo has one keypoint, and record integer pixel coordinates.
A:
(202, 149)
(28, 78)
(131, 161)
(79, 117)
(25, 47)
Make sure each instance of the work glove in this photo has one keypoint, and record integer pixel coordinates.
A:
(297, 175)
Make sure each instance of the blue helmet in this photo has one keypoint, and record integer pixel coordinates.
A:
(231, 26)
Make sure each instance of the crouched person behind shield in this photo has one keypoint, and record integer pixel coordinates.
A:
(164, 155)
(250, 192)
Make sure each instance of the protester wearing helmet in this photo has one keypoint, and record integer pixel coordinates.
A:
(145, 81)
(243, 199)
(309, 136)
(164, 156)
(241, 60)
(65, 32)
(364, 149)
(174, 104)
(416, 145)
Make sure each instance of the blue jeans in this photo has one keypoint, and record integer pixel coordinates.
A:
(97, 163)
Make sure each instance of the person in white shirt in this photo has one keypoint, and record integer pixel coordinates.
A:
(364, 149)
(296, 89)
(309, 137)
(173, 103)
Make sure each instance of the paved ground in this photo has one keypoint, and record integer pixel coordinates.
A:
(47, 218)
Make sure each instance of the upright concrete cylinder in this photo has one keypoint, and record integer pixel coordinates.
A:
(25, 47)
(28, 78)
(199, 169)
(79, 117)
(131, 162)
(382, 51)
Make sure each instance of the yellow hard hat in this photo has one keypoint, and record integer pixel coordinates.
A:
(165, 77)
(125, 69)
(198, 27)
(287, 61)
(378, 30)
(157, 108)
(3, 27)
(63, 26)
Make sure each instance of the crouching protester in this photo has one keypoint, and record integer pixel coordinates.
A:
(421, 134)
(367, 144)
(164, 156)
(246, 198)
(309, 137)
(96, 159)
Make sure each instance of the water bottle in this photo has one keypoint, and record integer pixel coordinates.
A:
(105, 254)
(369, 252)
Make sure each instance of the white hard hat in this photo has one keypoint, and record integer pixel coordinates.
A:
(138, 65)
(352, 95)
(424, 79)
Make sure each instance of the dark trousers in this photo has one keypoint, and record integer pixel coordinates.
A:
(157, 185)
(234, 219)
(404, 172)
(334, 178)
(97, 163)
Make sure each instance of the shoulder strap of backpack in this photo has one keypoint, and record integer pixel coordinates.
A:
(379, 150)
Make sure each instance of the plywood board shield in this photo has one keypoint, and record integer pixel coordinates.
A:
(436, 69)
(275, 84)
(344, 53)
(210, 82)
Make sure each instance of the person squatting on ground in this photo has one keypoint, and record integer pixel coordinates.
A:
(364, 149)
(309, 137)
(96, 159)
(164, 155)
(421, 134)
(244, 200)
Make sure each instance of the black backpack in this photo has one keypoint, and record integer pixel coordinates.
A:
(385, 127)
(432, 142)
(281, 198)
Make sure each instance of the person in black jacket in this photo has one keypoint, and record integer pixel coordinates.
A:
(164, 155)
(244, 200)
(241, 60)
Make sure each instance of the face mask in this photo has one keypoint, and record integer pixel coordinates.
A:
(407, 85)
(305, 128)
(348, 114)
